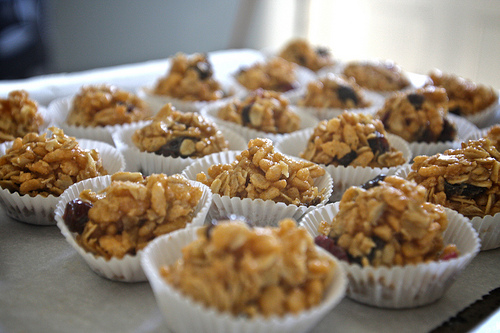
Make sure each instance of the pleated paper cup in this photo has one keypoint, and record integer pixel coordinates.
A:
(149, 163)
(257, 211)
(328, 113)
(39, 210)
(485, 117)
(182, 314)
(487, 228)
(479, 133)
(60, 109)
(464, 129)
(406, 286)
(128, 268)
(306, 121)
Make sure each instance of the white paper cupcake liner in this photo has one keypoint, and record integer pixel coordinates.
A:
(127, 269)
(40, 210)
(257, 211)
(487, 228)
(478, 133)
(149, 163)
(306, 121)
(60, 109)
(182, 314)
(405, 286)
(464, 128)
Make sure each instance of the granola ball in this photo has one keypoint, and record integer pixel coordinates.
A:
(125, 216)
(260, 172)
(275, 74)
(102, 105)
(383, 76)
(387, 222)
(41, 165)
(263, 110)
(465, 97)
(354, 139)
(19, 115)
(419, 116)
(252, 271)
(464, 179)
(301, 52)
(179, 134)
(494, 135)
(334, 92)
(190, 79)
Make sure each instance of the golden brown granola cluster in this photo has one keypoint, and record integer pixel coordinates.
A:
(466, 97)
(301, 52)
(275, 74)
(179, 134)
(190, 79)
(388, 222)
(418, 116)
(494, 135)
(102, 105)
(124, 217)
(41, 165)
(378, 76)
(334, 91)
(262, 173)
(19, 116)
(464, 179)
(252, 271)
(354, 139)
(262, 110)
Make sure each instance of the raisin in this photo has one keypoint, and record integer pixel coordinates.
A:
(329, 245)
(346, 93)
(373, 182)
(456, 110)
(204, 70)
(426, 135)
(76, 215)
(379, 246)
(322, 51)
(301, 60)
(130, 107)
(449, 131)
(379, 144)
(245, 114)
(416, 100)
(463, 190)
(348, 158)
(172, 148)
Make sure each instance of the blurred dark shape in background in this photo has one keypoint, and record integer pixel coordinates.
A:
(22, 43)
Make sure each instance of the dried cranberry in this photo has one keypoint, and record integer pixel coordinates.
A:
(329, 245)
(284, 87)
(346, 93)
(245, 114)
(449, 256)
(379, 144)
(348, 158)
(373, 182)
(76, 215)
(463, 190)
(449, 131)
(416, 100)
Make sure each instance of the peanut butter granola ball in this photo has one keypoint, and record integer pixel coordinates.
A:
(334, 91)
(19, 115)
(179, 134)
(260, 172)
(124, 217)
(301, 52)
(275, 74)
(419, 116)
(191, 78)
(387, 222)
(383, 76)
(102, 105)
(262, 110)
(253, 271)
(465, 179)
(354, 139)
(465, 96)
(47, 165)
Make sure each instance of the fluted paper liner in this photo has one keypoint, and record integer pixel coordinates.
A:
(487, 228)
(259, 212)
(40, 210)
(410, 285)
(182, 314)
(484, 117)
(306, 121)
(149, 163)
(127, 269)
